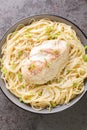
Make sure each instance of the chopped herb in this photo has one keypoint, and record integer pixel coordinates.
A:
(81, 71)
(64, 98)
(20, 99)
(53, 36)
(4, 71)
(48, 64)
(53, 104)
(84, 58)
(31, 67)
(40, 93)
(60, 80)
(23, 86)
(13, 65)
(56, 35)
(49, 29)
(20, 53)
(29, 98)
(28, 35)
(19, 76)
(31, 93)
(85, 47)
(75, 84)
(71, 35)
(68, 71)
(36, 85)
(56, 80)
(67, 44)
(14, 33)
(49, 82)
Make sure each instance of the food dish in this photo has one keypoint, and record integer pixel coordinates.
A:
(50, 93)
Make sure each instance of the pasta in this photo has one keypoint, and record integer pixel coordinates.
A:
(63, 87)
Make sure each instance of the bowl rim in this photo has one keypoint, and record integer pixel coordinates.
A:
(18, 104)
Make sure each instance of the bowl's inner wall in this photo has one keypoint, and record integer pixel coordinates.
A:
(28, 21)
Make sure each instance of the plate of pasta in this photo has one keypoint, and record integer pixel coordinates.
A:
(43, 64)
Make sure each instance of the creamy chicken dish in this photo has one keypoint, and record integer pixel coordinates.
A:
(44, 64)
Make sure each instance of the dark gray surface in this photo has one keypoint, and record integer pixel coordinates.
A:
(14, 118)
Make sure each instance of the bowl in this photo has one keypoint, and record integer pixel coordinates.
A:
(14, 99)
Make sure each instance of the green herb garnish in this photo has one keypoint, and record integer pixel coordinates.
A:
(75, 84)
(64, 98)
(85, 47)
(19, 76)
(36, 85)
(48, 65)
(31, 67)
(20, 53)
(29, 98)
(20, 99)
(71, 35)
(60, 80)
(4, 71)
(68, 71)
(13, 65)
(40, 93)
(56, 34)
(14, 33)
(23, 86)
(53, 104)
(49, 82)
(28, 35)
(53, 36)
(67, 44)
(84, 57)
(49, 29)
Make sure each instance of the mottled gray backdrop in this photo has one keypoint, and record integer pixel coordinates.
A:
(14, 118)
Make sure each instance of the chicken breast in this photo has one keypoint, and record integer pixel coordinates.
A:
(45, 61)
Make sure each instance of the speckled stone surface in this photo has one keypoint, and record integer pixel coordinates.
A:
(14, 118)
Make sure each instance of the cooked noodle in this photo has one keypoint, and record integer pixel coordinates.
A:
(61, 89)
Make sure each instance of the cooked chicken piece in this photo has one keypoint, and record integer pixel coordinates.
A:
(45, 61)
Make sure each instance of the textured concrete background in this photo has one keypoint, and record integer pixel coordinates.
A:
(14, 118)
